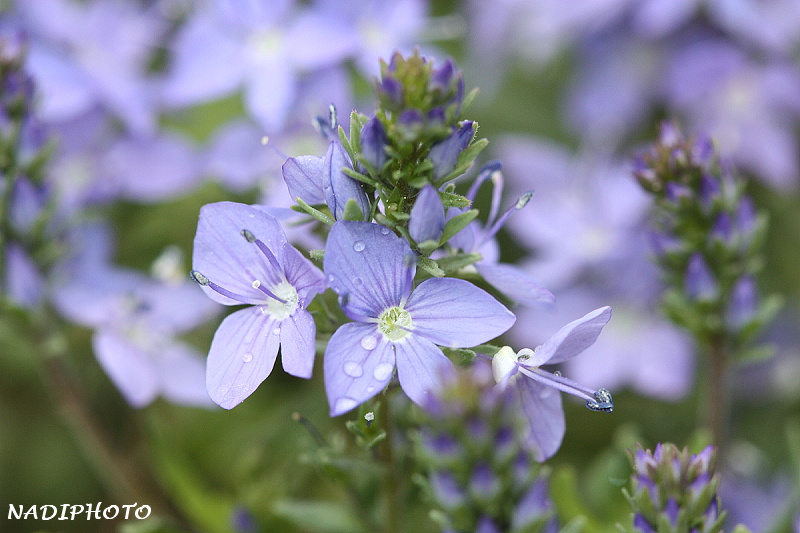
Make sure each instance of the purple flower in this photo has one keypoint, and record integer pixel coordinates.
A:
(241, 256)
(538, 396)
(317, 180)
(372, 271)
(427, 216)
(136, 321)
(444, 154)
(275, 44)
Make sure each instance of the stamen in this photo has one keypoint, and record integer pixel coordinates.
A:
(200, 279)
(559, 382)
(271, 259)
(500, 222)
(602, 401)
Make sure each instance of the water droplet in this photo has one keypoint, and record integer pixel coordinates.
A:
(353, 369)
(344, 404)
(384, 230)
(358, 281)
(370, 390)
(276, 331)
(256, 284)
(247, 357)
(369, 342)
(557, 373)
(359, 246)
(383, 371)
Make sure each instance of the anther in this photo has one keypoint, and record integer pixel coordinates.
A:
(199, 278)
(248, 235)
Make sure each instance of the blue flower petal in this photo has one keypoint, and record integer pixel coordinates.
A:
(304, 176)
(298, 346)
(455, 313)
(358, 365)
(420, 367)
(427, 216)
(368, 266)
(514, 283)
(572, 339)
(242, 355)
(541, 405)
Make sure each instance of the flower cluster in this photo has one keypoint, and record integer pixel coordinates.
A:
(477, 457)
(401, 250)
(707, 238)
(673, 491)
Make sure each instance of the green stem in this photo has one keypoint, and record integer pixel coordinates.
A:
(390, 478)
(718, 396)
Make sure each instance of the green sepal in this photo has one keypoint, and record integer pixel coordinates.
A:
(317, 255)
(430, 266)
(346, 144)
(469, 98)
(358, 176)
(426, 247)
(450, 199)
(355, 131)
(463, 356)
(454, 263)
(352, 211)
(457, 223)
(316, 213)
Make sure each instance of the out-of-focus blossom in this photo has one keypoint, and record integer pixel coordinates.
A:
(241, 256)
(88, 54)
(372, 270)
(275, 45)
(136, 322)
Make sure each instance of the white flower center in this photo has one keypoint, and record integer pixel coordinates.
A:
(395, 323)
(280, 310)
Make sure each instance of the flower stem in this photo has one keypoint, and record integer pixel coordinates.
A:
(718, 395)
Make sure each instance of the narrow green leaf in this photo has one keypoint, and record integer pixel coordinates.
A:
(319, 215)
(352, 211)
(355, 131)
(454, 263)
(360, 177)
(469, 98)
(346, 144)
(450, 199)
(457, 223)
(429, 265)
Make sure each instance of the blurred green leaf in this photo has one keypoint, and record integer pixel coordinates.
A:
(319, 516)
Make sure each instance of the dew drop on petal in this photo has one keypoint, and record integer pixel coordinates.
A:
(345, 404)
(358, 281)
(370, 390)
(276, 331)
(359, 246)
(369, 342)
(384, 230)
(256, 284)
(247, 357)
(353, 369)
(383, 371)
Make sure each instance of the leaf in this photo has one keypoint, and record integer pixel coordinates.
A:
(318, 516)
(456, 262)
(352, 211)
(319, 215)
(429, 265)
(454, 200)
(457, 223)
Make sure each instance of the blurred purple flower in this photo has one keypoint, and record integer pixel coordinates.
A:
(274, 45)
(237, 157)
(94, 53)
(538, 397)
(372, 271)
(136, 321)
(241, 256)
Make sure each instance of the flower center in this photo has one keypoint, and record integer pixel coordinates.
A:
(281, 310)
(395, 323)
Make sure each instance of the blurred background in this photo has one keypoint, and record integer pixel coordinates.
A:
(149, 109)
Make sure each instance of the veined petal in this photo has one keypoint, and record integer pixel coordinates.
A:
(303, 176)
(514, 283)
(298, 333)
(572, 339)
(130, 368)
(541, 406)
(358, 365)
(338, 186)
(302, 274)
(427, 216)
(420, 367)
(368, 266)
(242, 355)
(182, 372)
(456, 313)
(226, 258)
